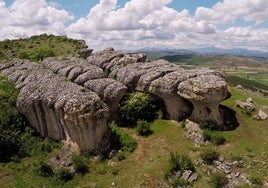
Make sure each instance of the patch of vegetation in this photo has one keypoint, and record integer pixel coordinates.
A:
(17, 140)
(143, 128)
(255, 179)
(121, 140)
(209, 155)
(138, 106)
(218, 180)
(64, 174)
(209, 125)
(215, 137)
(43, 169)
(178, 163)
(36, 48)
(80, 164)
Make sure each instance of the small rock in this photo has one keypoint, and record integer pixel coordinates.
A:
(234, 163)
(249, 100)
(225, 168)
(193, 177)
(221, 159)
(186, 174)
(113, 153)
(237, 174)
(261, 115)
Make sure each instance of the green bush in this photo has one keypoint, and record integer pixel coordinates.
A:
(122, 140)
(12, 122)
(209, 155)
(218, 180)
(80, 164)
(178, 163)
(143, 128)
(39, 54)
(255, 179)
(218, 139)
(64, 174)
(43, 169)
(209, 125)
(215, 137)
(120, 156)
(138, 106)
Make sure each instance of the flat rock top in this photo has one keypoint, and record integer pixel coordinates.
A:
(209, 88)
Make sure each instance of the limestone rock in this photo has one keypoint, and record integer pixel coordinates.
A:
(72, 98)
(58, 109)
(261, 115)
(205, 93)
(245, 105)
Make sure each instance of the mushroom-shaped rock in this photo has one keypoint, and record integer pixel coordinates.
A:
(205, 92)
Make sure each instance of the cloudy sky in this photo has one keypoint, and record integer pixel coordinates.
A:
(135, 24)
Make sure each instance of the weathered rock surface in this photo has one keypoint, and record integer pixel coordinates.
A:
(60, 109)
(75, 98)
(186, 93)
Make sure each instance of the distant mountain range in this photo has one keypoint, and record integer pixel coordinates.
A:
(254, 54)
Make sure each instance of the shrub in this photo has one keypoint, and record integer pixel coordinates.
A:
(122, 140)
(255, 179)
(183, 124)
(80, 164)
(218, 180)
(64, 174)
(215, 137)
(208, 156)
(11, 121)
(178, 163)
(40, 53)
(120, 156)
(208, 125)
(218, 139)
(138, 106)
(43, 169)
(143, 128)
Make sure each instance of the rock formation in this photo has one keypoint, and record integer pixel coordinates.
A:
(75, 98)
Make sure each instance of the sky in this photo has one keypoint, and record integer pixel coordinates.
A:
(141, 24)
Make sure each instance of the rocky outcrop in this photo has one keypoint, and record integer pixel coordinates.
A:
(186, 93)
(58, 108)
(71, 98)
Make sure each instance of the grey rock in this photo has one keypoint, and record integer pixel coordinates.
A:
(193, 177)
(186, 174)
(85, 52)
(261, 115)
(245, 105)
(71, 98)
(205, 93)
(225, 168)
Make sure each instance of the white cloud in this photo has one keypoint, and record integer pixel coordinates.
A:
(141, 24)
(227, 11)
(26, 17)
(138, 19)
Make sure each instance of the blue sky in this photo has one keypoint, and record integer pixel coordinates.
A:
(135, 24)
